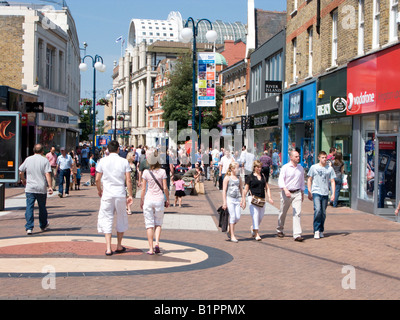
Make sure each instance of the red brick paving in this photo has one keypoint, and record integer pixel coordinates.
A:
(273, 268)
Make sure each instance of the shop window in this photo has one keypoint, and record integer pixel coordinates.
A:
(367, 159)
(389, 122)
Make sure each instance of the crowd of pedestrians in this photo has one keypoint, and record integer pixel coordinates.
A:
(118, 172)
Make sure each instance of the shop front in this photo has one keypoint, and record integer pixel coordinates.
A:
(335, 126)
(299, 130)
(373, 91)
(267, 132)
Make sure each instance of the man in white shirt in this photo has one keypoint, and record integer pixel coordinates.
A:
(37, 184)
(64, 164)
(113, 174)
(247, 159)
(226, 160)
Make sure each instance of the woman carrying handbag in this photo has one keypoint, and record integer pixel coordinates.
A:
(154, 200)
(258, 187)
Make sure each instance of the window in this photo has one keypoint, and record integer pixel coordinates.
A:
(394, 8)
(294, 45)
(50, 52)
(273, 69)
(310, 52)
(256, 78)
(39, 63)
(375, 27)
(360, 27)
(334, 37)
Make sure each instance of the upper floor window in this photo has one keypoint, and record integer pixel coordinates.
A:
(334, 37)
(361, 8)
(376, 23)
(393, 29)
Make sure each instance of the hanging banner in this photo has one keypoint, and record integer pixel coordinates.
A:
(206, 95)
(10, 130)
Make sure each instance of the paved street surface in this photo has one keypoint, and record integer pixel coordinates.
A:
(359, 257)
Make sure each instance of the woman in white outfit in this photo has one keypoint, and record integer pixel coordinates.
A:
(257, 184)
(231, 192)
(153, 200)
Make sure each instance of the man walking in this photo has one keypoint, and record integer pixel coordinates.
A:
(37, 183)
(113, 173)
(291, 182)
(319, 177)
(52, 157)
(64, 164)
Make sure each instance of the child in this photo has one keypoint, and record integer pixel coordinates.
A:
(93, 174)
(78, 177)
(179, 189)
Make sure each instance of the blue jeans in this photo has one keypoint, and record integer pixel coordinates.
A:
(320, 204)
(30, 204)
(67, 174)
(338, 186)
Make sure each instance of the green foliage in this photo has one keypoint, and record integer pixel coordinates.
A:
(177, 103)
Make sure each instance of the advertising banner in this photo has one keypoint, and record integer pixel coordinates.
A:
(102, 141)
(206, 95)
(373, 83)
(10, 128)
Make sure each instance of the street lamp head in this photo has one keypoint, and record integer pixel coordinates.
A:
(186, 34)
(211, 35)
(108, 96)
(119, 96)
(83, 67)
(100, 67)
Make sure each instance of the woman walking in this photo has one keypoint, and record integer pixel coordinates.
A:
(338, 167)
(232, 187)
(257, 184)
(131, 159)
(153, 200)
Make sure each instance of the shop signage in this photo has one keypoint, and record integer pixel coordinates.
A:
(37, 107)
(373, 82)
(273, 87)
(323, 109)
(259, 121)
(339, 104)
(296, 105)
(10, 128)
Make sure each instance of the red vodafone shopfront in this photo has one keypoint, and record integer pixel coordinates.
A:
(373, 99)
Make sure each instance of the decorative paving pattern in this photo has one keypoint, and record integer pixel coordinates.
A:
(80, 255)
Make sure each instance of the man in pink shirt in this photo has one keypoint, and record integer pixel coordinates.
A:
(52, 157)
(292, 184)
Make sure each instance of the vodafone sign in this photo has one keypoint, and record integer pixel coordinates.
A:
(373, 82)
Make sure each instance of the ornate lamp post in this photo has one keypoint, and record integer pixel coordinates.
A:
(187, 34)
(117, 95)
(97, 63)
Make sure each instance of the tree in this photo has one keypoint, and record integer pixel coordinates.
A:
(177, 102)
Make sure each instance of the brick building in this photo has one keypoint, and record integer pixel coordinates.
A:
(340, 92)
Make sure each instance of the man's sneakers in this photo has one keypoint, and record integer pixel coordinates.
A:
(29, 231)
(46, 227)
(318, 235)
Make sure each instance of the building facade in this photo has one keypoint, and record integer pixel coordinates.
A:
(40, 55)
(339, 93)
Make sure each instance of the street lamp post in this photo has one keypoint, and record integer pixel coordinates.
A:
(117, 95)
(97, 63)
(187, 34)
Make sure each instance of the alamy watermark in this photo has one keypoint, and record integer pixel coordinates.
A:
(349, 280)
(49, 280)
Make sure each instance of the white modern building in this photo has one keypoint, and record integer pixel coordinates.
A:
(51, 58)
(149, 42)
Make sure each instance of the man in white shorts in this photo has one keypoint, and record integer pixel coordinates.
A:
(112, 174)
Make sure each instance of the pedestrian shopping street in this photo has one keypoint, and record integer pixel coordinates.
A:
(357, 259)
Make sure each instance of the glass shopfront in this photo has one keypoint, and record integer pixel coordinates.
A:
(374, 102)
(267, 132)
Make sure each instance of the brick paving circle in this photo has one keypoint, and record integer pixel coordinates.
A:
(78, 255)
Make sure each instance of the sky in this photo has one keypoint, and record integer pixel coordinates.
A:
(100, 22)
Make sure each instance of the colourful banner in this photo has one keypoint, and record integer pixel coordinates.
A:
(206, 95)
